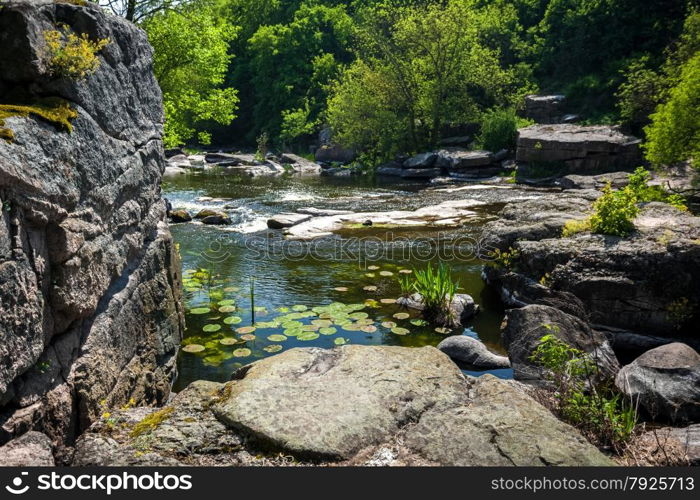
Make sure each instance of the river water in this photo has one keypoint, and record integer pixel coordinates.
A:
(249, 293)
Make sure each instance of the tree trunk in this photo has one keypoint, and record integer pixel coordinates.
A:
(131, 10)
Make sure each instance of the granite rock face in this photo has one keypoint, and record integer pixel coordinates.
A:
(665, 382)
(579, 149)
(89, 278)
(544, 108)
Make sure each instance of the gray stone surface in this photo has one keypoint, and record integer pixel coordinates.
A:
(462, 308)
(500, 426)
(89, 283)
(472, 352)
(32, 449)
(580, 149)
(665, 383)
(423, 160)
(545, 108)
(523, 328)
(283, 220)
(332, 403)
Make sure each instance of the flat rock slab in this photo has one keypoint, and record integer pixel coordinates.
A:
(447, 214)
(332, 403)
(582, 149)
(322, 212)
(280, 221)
(500, 426)
(460, 160)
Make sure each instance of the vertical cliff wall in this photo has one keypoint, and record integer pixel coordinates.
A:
(90, 313)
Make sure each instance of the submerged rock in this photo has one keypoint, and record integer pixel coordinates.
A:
(523, 328)
(665, 383)
(217, 219)
(32, 449)
(472, 352)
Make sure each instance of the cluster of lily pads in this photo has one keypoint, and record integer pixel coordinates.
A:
(223, 337)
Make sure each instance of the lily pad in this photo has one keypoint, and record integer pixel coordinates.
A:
(283, 309)
(341, 289)
(402, 315)
(327, 330)
(373, 268)
(260, 309)
(359, 315)
(352, 327)
(387, 301)
(227, 302)
(369, 328)
(400, 331)
(244, 352)
(193, 348)
(370, 275)
(442, 330)
(211, 328)
(365, 322)
(246, 329)
(306, 336)
(388, 324)
(227, 309)
(372, 303)
(322, 323)
(233, 320)
(232, 289)
(272, 348)
(369, 288)
(200, 310)
(276, 338)
(310, 328)
(340, 341)
(299, 308)
(405, 271)
(385, 273)
(267, 324)
(293, 332)
(248, 337)
(229, 341)
(418, 322)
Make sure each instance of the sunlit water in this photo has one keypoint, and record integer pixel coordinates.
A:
(293, 282)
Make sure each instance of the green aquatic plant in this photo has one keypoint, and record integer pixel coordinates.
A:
(437, 289)
(251, 291)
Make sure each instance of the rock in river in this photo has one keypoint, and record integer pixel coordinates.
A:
(280, 221)
(472, 352)
(665, 381)
(180, 216)
(523, 328)
(462, 308)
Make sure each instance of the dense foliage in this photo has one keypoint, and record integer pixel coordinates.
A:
(396, 76)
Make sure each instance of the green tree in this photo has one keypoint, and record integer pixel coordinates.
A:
(190, 63)
(674, 132)
(418, 70)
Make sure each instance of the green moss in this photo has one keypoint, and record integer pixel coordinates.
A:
(575, 226)
(81, 3)
(151, 422)
(53, 110)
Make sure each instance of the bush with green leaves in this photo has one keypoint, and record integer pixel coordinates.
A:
(499, 129)
(583, 397)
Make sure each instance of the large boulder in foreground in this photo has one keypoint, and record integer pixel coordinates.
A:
(89, 276)
(578, 149)
(32, 449)
(352, 405)
(502, 426)
(332, 403)
(523, 328)
(665, 383)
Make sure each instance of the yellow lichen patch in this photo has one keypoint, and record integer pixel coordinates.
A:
(53, 110)
(151, 422)
(81, 3)
(573, 227)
